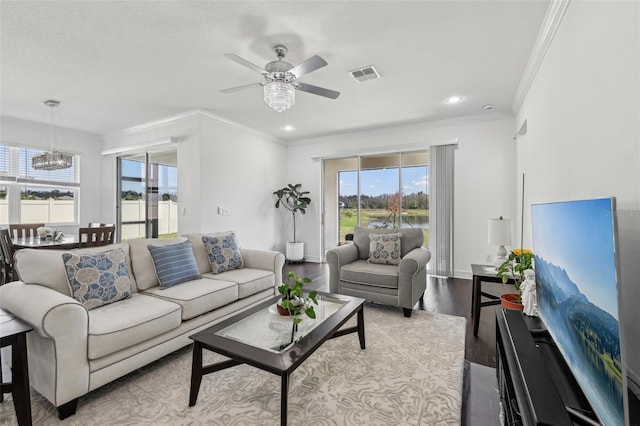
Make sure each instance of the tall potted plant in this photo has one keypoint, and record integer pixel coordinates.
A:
(294, 199)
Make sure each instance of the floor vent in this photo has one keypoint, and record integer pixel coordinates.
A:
(364, 74)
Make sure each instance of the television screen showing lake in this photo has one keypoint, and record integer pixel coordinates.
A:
(575, 265)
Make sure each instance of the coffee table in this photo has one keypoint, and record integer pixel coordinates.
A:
(262, 338)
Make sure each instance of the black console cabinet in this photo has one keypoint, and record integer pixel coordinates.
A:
(536, 386)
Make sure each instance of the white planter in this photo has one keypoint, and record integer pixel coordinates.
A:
(295, 252)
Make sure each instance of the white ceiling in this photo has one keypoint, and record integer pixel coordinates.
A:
(120, 64)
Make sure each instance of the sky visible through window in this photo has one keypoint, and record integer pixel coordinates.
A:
(385, 181)
(167, 177)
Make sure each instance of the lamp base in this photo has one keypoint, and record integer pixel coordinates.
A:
(499, 261)
(501, 256)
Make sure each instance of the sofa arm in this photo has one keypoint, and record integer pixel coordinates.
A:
(414, 261)
(336, 258)
(58, 363)
(264, 259)
(412, 267)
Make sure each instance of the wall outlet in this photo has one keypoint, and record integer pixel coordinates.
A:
(488, 258)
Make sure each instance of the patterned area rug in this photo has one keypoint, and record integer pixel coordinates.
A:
(410, 374)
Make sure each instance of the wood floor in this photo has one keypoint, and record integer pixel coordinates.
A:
(450, 296)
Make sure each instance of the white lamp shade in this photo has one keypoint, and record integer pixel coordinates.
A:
(500, 232)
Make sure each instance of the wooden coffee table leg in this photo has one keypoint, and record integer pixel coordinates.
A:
(196, 373)
(283, 398)
(361, 327)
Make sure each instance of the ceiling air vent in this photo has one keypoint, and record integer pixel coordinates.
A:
(364, 74)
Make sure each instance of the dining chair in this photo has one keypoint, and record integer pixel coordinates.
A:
(24, 230)
(99, 225)
(6, 247)
(94, 237)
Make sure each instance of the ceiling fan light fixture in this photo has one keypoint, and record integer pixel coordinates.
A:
(279, 95)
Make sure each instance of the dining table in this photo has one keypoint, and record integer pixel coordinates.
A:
(67, 242)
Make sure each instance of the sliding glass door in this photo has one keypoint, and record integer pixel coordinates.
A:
(148, 201)
(377, 191)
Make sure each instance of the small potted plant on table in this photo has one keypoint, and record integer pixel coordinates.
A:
(519, 260)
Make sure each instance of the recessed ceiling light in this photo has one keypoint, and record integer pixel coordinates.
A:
(487, 107)
(289, 128)
(454, 99)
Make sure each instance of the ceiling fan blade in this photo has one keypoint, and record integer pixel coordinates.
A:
(237, 88)
(310, 88)
(305, 67)
(244, 62)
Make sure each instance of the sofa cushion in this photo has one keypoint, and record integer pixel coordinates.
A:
(142, 262)
(384, 249)
(199, 296)
(174, 264)
(125, 323)
(46, 267)
(250, 281)
(223, 251)
(98, 279)
(410, 238)
(363, 272)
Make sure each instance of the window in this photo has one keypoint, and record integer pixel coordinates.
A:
(28, 195)
(377, 191)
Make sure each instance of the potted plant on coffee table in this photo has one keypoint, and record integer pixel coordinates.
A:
(294, 302)
(294, 199)
(519, 260)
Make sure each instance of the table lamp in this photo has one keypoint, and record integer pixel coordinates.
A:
(500, 236)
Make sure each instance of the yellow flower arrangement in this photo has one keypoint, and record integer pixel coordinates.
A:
(519, 260)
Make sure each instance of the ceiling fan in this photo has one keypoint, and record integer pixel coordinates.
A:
(281, 79)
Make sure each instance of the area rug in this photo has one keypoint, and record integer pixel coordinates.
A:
(410, 373)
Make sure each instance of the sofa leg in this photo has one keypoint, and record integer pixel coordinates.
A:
(407, 312)
(68, 409)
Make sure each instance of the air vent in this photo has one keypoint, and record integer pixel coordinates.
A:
(364, 74)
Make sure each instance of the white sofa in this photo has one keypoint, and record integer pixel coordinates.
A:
(73, 351)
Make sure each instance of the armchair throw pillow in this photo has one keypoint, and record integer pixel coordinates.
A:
(98, 279)
(223, 251)
(384, 248)
(174, 264)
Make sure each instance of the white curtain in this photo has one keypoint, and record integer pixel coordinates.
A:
(441, 210)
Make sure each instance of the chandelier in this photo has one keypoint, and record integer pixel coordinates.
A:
(52, 160)
(279, 95)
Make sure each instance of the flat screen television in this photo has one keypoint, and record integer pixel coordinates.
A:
(576, 263)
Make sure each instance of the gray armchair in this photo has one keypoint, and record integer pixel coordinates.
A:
(399, 285)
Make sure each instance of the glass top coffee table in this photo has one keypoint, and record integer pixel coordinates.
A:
(264, 339)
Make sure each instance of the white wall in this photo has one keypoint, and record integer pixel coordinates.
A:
(484, 166)
(583, 137)
(14, 131)
(219, 165)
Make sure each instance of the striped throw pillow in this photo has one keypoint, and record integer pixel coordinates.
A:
(174, 264)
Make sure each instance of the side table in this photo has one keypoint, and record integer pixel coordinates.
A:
(13, 332)
(480, 275)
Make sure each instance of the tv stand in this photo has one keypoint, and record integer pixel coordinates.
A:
(536, 386)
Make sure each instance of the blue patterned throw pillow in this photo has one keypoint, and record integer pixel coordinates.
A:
(384, 248)
(174, 264)
(223, 251)
(98, 279)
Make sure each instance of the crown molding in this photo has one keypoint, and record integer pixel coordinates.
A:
(190, 114)
(423, 123)
(550, 25)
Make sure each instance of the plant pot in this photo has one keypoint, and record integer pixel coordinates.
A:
(282, 311)
(295, 252)
(510, 301)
